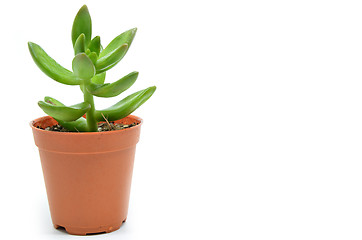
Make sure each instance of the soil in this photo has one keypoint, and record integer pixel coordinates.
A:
(102, 127)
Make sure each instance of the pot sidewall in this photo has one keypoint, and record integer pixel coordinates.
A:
(87, 176)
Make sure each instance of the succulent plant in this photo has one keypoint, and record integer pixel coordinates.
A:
(89, 67)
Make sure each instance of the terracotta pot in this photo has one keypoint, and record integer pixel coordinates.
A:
(87, 175)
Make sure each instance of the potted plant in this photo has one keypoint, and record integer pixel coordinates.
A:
(87, 154)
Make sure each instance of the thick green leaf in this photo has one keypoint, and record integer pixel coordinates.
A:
(99, 78)
(126, 106)
(108, 61)
(82, 24)
(50, 67)
(93, 57)
(95, 45)
(64, 113)
(115, 50)
(79, 125)
(113, 89)
(79, 46)
(123, 38)
(83, 67)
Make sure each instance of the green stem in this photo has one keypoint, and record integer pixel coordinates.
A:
(92, 125)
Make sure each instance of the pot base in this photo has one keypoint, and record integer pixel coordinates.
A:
(90, 231)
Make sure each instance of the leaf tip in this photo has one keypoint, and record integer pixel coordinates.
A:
(149, 91)
(40, 103)
(83, 9)
(153, 88)
(47, 99)
(31, 45)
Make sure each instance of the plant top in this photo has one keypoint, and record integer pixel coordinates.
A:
(89, 67)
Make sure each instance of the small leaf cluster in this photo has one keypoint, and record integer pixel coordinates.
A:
(89, 67)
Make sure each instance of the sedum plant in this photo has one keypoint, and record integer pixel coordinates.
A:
(89, 67)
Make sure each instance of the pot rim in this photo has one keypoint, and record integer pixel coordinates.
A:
(31, 123)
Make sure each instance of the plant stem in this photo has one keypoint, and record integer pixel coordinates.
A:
(91, 121)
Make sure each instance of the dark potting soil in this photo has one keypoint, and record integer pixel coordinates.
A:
(102, 127)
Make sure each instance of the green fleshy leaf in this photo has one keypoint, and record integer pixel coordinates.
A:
(113, 89)
(126, 106)
(79, 46)
(83, 67)
(93, 57)
(82, 24)
(64, 113)
(124, 38)
(95, 45)
(99, 78)
(115, 50)
(108, 61)
(79, 125)
(50, 67)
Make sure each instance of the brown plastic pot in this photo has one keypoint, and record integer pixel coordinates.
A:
(87, 175)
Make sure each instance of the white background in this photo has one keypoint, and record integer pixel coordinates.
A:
(254, 131)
